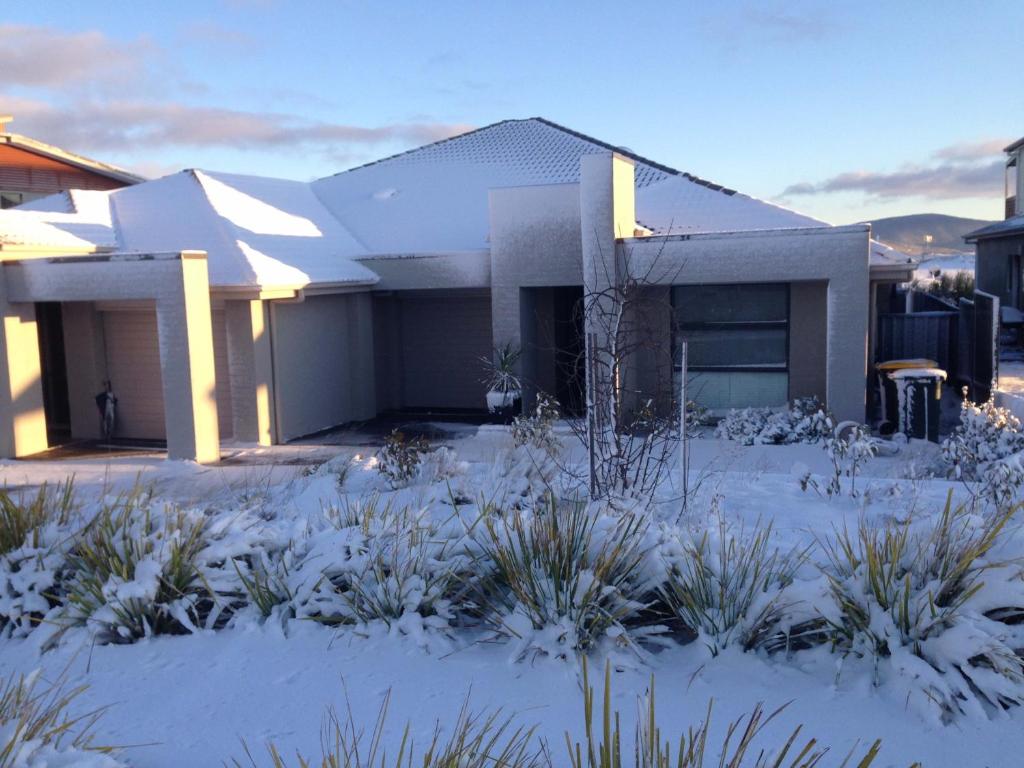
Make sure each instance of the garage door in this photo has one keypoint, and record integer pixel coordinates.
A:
(443, 339)
(133, 365)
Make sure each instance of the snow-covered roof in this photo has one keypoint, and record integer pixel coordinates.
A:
(435, 198)
(1011, 226)
(76, 220)
(258, 232)
(265, 232)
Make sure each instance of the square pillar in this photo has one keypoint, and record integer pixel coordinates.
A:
(22, 419)
(252, 380)
(185, 329)
(847, 356)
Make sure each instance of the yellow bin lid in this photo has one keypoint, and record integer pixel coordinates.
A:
(898, 365)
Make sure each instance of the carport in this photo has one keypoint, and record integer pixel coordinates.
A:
(172, 287)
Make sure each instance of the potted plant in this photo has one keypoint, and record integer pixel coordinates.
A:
(504, 390)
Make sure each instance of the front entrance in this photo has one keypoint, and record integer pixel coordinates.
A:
(570, 371)
(54, 371)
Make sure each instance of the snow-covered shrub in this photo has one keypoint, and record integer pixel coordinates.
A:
(564, 578)
(848, 452)
(22, 519)
(264, 577)
(36, 729)
(804, 421)
(537, 429)
(909, 600)
(985, 447)
(133, 571)
(440, 464)
(399, 459)
(729, 589)
(33, 540)
(384, 565)
(518, 478)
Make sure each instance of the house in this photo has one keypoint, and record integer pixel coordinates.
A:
(31, 169)
(262, 309)
(1000, 246)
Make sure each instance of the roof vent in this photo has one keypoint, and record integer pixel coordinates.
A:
(4, 120)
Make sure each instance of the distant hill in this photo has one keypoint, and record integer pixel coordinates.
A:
(907, 233)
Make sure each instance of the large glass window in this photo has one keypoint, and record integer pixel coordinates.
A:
(738, 342)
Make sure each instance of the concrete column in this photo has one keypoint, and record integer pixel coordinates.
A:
(185, 328)
(607, 212)
(86, 366)
(846, 367)
(22, 419)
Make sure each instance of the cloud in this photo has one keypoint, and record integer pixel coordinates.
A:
(120, 124)
(203, 33)
(774, 24)
(967, 170)
(45, 57)
(972, 150)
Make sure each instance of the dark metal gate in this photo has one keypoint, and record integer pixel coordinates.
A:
(978, 327)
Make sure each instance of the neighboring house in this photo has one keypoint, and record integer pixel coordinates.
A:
(264, 310)
(1000, 246)
(30, 169)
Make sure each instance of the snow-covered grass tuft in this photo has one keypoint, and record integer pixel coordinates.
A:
(909, 599)
(36, 729)
(134, 571)
(804, 421)
(385, 564)
(23, 519)
(564, 578)
(34, 535)
(728, 589)
(652, 749)
(476, 741)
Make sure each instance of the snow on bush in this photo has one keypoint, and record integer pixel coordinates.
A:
(909, 599)
(728, 589)
(383, 566)
(805, 421)
(33, 537)
(537, 429)
(565, 578)
(986, 447)
(399, 458)
(133, 572)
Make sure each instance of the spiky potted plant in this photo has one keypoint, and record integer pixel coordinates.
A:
(504, 389)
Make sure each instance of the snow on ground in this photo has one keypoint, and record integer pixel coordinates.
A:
(190, 700)
(932, 265)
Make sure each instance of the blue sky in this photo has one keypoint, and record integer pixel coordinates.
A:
(847, 111)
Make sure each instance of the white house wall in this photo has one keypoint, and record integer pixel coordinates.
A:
(323, 362)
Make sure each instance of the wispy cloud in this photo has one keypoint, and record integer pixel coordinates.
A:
(49, 58)
(116, 124)
(87, 92)
(964, 170)
(771, 23)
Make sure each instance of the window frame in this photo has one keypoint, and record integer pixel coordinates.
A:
(743, 325)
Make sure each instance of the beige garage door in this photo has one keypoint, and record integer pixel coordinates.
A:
(133, 365)
(443, 339)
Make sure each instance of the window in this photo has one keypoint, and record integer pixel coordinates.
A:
(738, 342)
(11, 199)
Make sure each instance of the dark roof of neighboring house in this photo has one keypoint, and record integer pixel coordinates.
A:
(62, 155)
(1012, 226)
(1019, 142)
